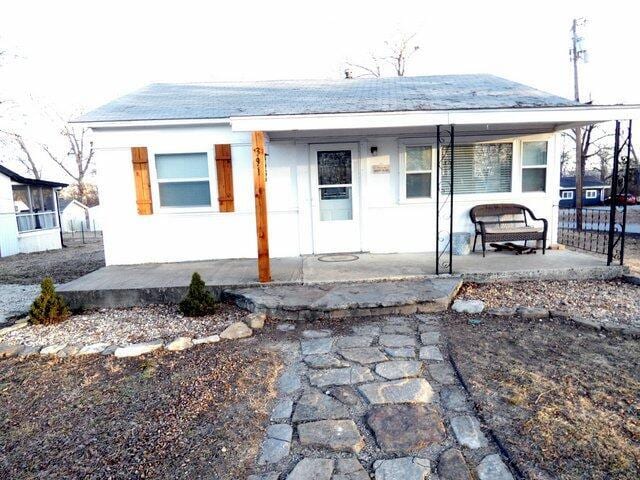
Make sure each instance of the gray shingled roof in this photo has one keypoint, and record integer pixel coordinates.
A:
(166, 101)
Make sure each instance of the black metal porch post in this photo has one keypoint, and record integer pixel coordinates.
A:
(625, 191)
(614, 194)
(451, 203)
(437, 199)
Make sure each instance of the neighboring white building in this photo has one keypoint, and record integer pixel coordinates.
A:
(95, 216)
(28, 214)
(352, 165)
(74, 216)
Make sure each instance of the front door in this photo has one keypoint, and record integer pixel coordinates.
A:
(335, 198)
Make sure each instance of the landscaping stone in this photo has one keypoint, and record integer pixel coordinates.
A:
(454, 399)
(326, 360)
(502, 312)
(312, 469)
(180, 343)
(587, 322)
(265, 476)
(442, 373)
(532, 313)
(52, 349)
(349, 469)
(236, 330)
(209, 339)
(452, 466)
(289, 382)
(430, 338)
(282, 410)
(336, 435)
(431, 352)
(345, 394)
(29, 351)
(316, 346)
(406, 468)
(285, 327)
(394, 340)
(316, 333)
(401, 352)
(406, 428)
(399, 369)
(277, 443)
(69, 351)
(93, 349)
(467, 431)
(401, 329)
(12, 328)
(428, 319)
(363, 355)
(9, 350)
(427, 327)
(340, 376)
(413, 390)
(137, 349)
(493, 468)
(255, 320)
(354, 341)
(468, 306)
(314, 405)
(366, 330)
(110, 350)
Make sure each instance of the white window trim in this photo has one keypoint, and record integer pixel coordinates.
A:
(155, 181)
(566, 194)
(534, 167)
(402, 156)
(590, 194)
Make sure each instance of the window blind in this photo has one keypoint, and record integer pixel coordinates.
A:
(481, 168)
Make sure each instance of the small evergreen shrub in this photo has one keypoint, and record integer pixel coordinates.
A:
(49, 307)
(198, 301)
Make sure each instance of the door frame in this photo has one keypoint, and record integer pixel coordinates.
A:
(356, 196)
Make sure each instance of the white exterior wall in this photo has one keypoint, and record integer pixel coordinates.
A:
(73, 218)
(388, 224)
(39, 240)
(8, 226)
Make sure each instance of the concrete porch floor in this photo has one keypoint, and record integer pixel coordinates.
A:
(368, 267)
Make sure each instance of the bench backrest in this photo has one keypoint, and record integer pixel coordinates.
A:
(497, 210)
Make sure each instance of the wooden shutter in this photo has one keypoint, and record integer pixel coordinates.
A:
(225, 177)
(140, 160)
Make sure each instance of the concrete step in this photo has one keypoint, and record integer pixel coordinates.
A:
(340, 300)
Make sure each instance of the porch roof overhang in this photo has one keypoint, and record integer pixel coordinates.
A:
(544, 118)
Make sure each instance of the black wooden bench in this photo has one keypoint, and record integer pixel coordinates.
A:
(507, 222)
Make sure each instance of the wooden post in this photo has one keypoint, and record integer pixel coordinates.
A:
(259, 187)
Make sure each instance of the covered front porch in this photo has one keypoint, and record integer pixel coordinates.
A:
(131, 285)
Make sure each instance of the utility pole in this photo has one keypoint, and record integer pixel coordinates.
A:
(578, 53)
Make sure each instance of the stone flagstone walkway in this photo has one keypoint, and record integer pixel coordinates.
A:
(383, 402)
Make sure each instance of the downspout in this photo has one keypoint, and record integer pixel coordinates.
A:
(59, 220)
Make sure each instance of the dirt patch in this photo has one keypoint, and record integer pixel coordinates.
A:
(615, 301)
(62, 265)
(564, 401)
(197, 414)
(120, 326)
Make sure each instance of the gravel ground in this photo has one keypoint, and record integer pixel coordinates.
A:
(126, 325)
(200, 413)
(16, 298)
(62, 265)
(614, 301)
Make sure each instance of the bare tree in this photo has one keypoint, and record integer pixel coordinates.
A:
(396, 53)
(25, 158)
(593, 144)
(80, 153)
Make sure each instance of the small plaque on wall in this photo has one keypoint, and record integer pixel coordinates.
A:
(381, 168)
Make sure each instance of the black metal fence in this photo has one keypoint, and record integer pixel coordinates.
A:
(593, 236)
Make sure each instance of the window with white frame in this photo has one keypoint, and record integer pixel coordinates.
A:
(534, 166)
(478, 168)
(183, 180)
(418, 170)
(591, 194)
(35, 207)
(566, 195)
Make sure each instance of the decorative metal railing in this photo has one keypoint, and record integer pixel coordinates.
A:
(445, 142)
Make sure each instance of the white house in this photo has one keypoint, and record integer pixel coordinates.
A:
(95, 216)
(351, 165)
(28, 214)
(74, 215)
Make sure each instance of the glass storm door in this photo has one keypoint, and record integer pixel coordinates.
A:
(335, 198)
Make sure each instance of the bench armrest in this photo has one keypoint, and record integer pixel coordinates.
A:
(543, 220)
